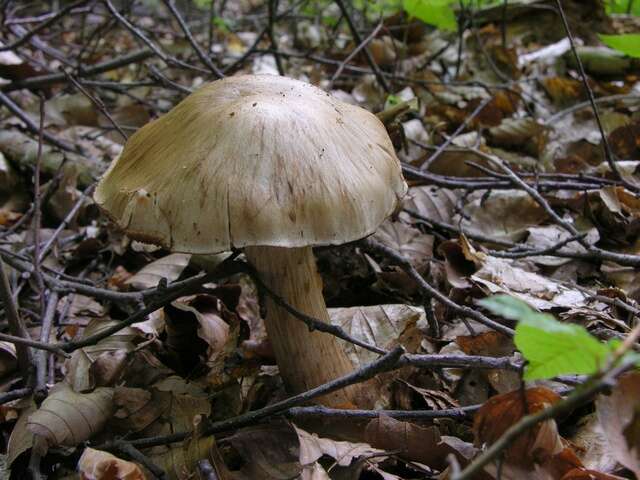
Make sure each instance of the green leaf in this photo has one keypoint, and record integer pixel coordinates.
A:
(551, 347)
(438, 13)
(623, 6)
(628, 43)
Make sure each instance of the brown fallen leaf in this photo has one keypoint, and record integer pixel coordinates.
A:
(501, 412)
(416, 443)
(101, 364)
(313, 447)
(99, 465)
(69, 418)
(201, 331)
(619, 420)
(169, 267)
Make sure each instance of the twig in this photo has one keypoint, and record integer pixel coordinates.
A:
(428, 290)
(321, 411)
(227, 267)
(358, 40)
(460, 361)
(312, 323)
(581, 394)
(65, 222)
(168, 59)
(136, 455)
(31, 126)
(155, 73)
(472, 234)
(42, 357)
(49, 21)
(16, 326)
(37, 213)
(273, 9)
(441, 148)
(15, 394)
(185, 28)
(550, 250)
(383, 364)
(97, 102)
(207, 471)
(608, 153)
(595, 252)
(579, 106)
(355, 51)
(27, 342)
(82, 71)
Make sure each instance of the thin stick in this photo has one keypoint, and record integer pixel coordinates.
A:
(49, 21)
(16, 326)
(42, 356)
(355, 51)
(608, 153)
(385, 363)
(37, 213)
(431, 292)
(204, 58)
(273, 9)
(358, 39)
(31, 126)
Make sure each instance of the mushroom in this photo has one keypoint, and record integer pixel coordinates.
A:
(272, 165)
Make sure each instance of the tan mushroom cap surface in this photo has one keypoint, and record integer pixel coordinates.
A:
(254, 160)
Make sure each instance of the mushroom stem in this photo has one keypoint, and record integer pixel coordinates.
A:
(305, 358)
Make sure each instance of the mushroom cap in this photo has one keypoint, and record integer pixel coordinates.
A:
(254, 160)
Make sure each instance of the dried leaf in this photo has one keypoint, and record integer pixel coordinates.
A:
(414, 245)
(617, 413)
(416, 443)
(385, 326)
(169, 267)
(201, 330)
(505, 215)
(101, 364)
(268, 452)
(433, 203)
(21, 438)
(8, 359)
(313, 447)
(501, 412)
(69, 418)
(99, 465)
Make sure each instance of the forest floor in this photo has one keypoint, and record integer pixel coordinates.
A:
(518, 134)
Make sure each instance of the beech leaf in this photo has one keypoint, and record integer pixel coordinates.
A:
(69, 418)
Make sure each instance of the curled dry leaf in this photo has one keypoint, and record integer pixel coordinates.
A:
(201, 330)
(171, 405)
(501, 412)
(69, 418)
(103, 363)
(416, 443)
(169, 267)
(99, 465)
(180, 460)
(466, 266)
(21, 438)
